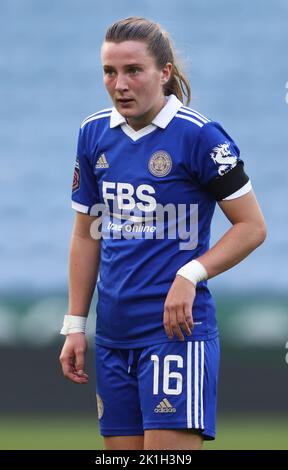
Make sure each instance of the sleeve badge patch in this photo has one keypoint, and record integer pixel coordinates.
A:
(76, 176)
(221, 155)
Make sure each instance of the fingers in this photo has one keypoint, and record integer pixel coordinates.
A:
(167, 324)
(80, 363)
(71, 372)
(72, 358)
(183, 320)
(178, 320)
(175, 324)
(188, 318)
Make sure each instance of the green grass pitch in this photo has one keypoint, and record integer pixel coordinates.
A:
(81, 432)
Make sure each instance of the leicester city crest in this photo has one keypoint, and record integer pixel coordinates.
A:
(160, 163)
(100, 406)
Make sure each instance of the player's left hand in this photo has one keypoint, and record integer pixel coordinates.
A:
(178, 308)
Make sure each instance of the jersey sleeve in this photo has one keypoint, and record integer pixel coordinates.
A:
(84, 189)
(219, 167)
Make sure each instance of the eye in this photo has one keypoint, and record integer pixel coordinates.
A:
(109, 72)
(134, 70)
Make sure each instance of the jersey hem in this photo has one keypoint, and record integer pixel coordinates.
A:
(151, 342)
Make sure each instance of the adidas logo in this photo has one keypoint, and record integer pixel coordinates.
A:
(102, 162)
(164, 407)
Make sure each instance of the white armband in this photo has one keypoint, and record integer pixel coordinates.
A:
(73, 324)
(193, 271)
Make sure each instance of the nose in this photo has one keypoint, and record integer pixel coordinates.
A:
(121, 83)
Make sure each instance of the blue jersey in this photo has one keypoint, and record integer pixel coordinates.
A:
(182, 161)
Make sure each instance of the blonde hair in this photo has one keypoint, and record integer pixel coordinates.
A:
(160, 46)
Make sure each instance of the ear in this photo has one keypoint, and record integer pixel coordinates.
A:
(166, 73)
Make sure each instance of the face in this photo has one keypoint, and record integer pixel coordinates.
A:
(133, 81)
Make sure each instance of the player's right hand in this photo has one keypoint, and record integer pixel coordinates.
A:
(72, 358)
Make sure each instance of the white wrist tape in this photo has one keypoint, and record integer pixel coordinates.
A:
(73, 324)
(193, 271)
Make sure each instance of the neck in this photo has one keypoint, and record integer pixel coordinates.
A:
(139, 122)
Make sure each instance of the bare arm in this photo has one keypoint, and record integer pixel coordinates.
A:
(83, 271)
(83, 265)
(248, 231)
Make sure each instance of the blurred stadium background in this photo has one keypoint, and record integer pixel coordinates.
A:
(234, 54)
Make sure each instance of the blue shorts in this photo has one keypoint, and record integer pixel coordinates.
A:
(171, 385)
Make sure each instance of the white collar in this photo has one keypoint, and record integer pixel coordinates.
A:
(162, 119)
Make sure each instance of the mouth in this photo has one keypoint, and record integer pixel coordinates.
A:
(125, 100)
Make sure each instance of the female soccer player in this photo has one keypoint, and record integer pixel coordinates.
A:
(146, 169)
